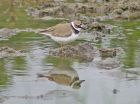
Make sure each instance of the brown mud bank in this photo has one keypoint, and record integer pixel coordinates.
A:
(119, 9)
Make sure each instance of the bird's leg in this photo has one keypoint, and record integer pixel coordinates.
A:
(61, 48)
(64, 50)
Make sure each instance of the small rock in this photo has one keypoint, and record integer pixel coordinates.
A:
(109, 63)
(3, 99)
(115, 91)
(84, 51)
(135, 71)
(6, 33)
(109, 52)
(97, 26)
(10, 52)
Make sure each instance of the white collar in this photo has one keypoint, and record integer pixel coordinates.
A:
(78, 29)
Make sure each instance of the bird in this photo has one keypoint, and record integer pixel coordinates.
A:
(65, 32)
(63, 75)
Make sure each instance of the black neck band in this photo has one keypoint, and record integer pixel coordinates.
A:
(75, 31)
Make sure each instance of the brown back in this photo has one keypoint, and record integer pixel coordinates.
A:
(62, 30)
(61, 79)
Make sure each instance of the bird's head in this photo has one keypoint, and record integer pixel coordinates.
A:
(77, 84)
(78, 24)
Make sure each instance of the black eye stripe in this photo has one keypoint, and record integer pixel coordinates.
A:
(78, 26)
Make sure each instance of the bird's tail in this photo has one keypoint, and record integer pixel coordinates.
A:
(44, 32)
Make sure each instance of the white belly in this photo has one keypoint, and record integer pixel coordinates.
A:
(64, 40)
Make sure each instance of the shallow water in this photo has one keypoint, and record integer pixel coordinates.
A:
(19, 81)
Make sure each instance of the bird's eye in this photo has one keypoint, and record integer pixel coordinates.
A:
(79, 26)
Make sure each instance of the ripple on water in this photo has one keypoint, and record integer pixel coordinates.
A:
(99, 86)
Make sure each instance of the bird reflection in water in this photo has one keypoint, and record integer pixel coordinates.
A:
(63, 74)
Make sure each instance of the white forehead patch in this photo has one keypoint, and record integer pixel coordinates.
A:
(73, 25)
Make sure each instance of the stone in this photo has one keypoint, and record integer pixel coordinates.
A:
(109, 52)
(135, 71)
(83, 51)
(10, 52)
(6, 33)
(3, 99)
(97, 26)
(109, 63)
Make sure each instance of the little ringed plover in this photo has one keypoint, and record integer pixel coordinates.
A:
(64, 33)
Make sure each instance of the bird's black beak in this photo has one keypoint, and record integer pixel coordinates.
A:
(81, 81)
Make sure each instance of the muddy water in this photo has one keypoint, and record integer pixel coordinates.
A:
(19, 82)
